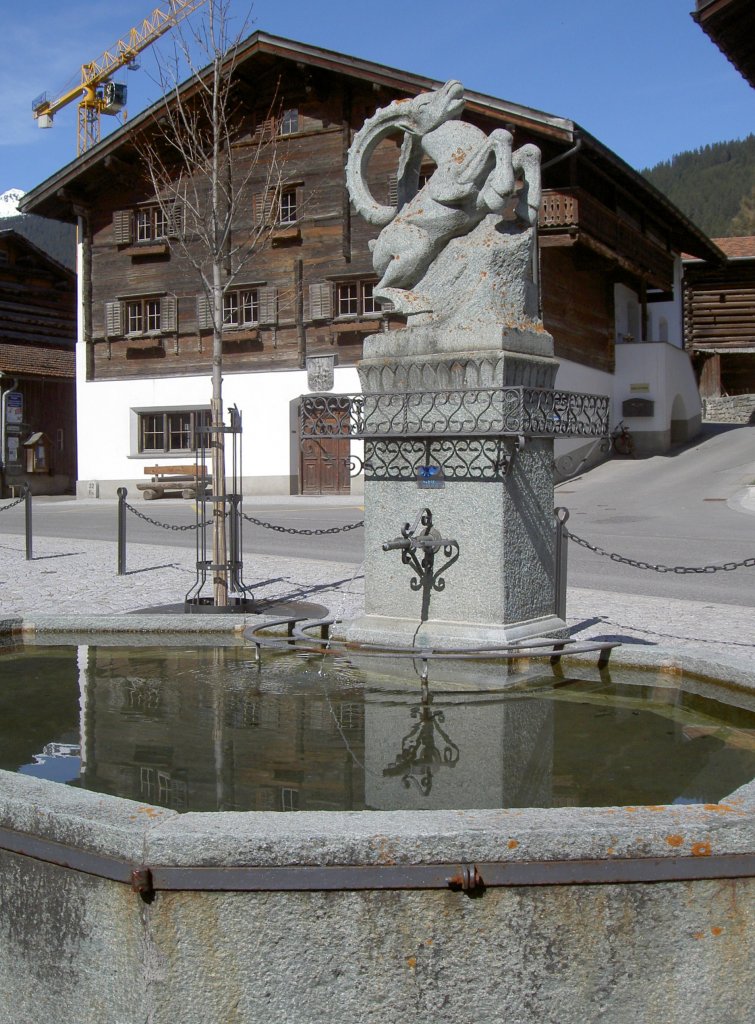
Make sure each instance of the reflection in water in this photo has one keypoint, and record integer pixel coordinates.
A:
(206, 728)
(419, 752)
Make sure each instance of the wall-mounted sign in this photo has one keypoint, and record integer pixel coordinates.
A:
(430, 478)
(13, 450)
(639, 387)
(14, 407)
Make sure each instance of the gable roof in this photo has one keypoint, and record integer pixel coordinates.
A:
(49, 199)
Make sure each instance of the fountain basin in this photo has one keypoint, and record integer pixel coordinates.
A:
(619, 913)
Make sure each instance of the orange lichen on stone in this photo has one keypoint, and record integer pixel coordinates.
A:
(412, 961)
(715, 930)
(701, 849)
(512, 844)
(698, 935)
(719, 808)
(674, 840)
(655, 807)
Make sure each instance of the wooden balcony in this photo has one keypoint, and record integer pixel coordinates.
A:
(572, 216)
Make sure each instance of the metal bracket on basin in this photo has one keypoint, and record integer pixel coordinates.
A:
(506, 460)
(418, 549)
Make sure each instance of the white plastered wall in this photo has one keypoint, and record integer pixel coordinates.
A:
(107, 422)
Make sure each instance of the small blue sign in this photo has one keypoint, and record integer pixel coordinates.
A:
(430, 478)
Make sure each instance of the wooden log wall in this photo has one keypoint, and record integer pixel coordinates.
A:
(719, 306)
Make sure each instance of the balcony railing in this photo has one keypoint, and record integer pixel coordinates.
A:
(574, 210)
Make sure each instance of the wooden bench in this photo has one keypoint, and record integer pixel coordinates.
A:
(186, 479)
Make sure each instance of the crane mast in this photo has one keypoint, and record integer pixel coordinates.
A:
(96, 92)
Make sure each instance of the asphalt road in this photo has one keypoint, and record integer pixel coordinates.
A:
(680, 509)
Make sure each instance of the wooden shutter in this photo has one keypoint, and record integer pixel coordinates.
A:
(263, 206)
(168, 313)
(176, 220)
(204, 316)
(320, 301)
(268, 305)
(113, 319)
(392, 189)
(122, 227)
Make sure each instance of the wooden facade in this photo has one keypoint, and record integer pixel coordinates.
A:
(719, 319)
(308, 291)
(37, 345)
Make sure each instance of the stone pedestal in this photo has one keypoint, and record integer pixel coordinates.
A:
(483, 333)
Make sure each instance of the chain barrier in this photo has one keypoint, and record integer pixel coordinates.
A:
(680, 570)
(4, 508)
(164, 526)
(303, 533)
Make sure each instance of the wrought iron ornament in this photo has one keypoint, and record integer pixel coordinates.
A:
(418, 549)
(472, 412)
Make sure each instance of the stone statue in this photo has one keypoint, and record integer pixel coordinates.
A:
(475, 177)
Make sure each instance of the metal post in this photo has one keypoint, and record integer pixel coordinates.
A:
(27, 510)
(122, 493)
(562, 553)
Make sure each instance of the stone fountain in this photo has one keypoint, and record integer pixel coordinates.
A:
(458, 410)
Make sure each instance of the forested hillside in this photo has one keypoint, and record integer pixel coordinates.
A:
(714, 186)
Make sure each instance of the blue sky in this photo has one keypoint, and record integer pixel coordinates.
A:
(638, 74)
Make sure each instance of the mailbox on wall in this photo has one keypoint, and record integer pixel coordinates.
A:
(38, 448)
(638, 407)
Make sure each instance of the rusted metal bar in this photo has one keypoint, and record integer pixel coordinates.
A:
(466, 876)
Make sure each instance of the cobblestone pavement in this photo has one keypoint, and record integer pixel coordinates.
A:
(74, 578)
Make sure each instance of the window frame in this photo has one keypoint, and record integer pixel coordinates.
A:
(362, 305)
(239, 301)
(151, 224)
(166, 429)
(289, 121)
(288, 201)
(143, 316)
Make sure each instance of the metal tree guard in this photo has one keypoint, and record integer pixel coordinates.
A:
(239, 595)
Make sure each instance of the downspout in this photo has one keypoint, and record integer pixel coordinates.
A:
(3, 427)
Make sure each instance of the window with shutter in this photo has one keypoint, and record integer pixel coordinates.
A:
(320, 301)
(113, 319)
(122, 227)
(204, 315)
(268, 305)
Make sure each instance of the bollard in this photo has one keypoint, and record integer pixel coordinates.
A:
(562, 551)
(27, 510)
(122, 494)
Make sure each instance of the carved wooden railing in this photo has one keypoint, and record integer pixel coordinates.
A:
(575, 210)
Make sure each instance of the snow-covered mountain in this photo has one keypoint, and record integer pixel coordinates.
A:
(9, 202)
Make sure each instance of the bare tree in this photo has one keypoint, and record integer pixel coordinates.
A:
(206, 166)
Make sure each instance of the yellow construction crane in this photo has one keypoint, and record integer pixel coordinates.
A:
(97, 93)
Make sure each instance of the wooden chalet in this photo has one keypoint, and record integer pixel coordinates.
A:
(608, 239)
(37, 371)
(719, 329)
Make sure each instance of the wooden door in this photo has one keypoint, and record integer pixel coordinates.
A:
(324, 462)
